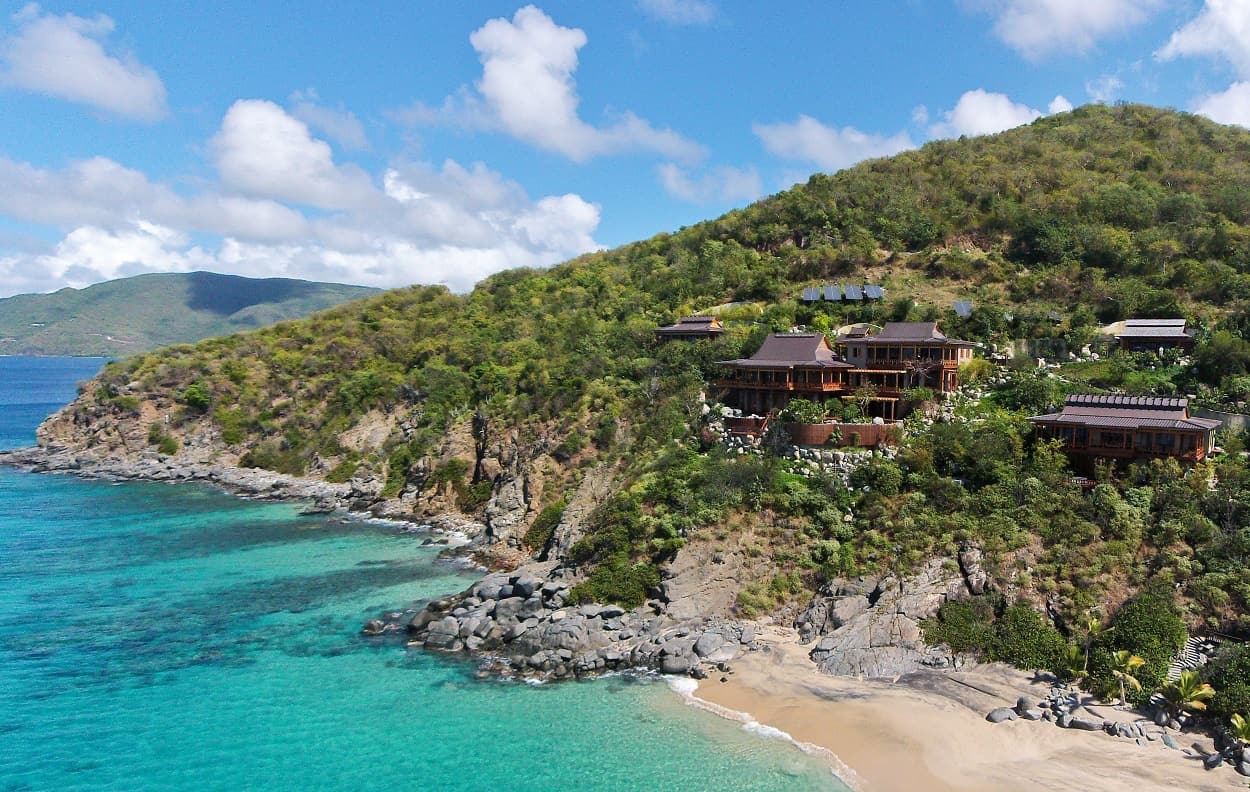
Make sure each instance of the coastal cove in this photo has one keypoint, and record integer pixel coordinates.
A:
(155, 636)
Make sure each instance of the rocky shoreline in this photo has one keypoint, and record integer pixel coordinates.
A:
(322, 497)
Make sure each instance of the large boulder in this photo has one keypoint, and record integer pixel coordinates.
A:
(1001, 715)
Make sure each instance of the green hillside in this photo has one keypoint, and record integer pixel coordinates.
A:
(130, 315)
(1051, 230)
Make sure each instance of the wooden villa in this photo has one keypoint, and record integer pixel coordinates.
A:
(692, 328)
(1128, 428)
(788, 365)
(1150, 335)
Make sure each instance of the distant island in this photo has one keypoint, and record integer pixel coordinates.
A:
(130, 315)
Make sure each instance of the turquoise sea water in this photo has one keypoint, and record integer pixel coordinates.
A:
(159, 637)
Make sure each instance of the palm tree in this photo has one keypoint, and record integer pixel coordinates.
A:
(1094, 629)
(1071, 665)
(1186, 693)
(1123, 664)
(1240, 728)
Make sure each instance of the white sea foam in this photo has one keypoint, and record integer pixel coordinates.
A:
(687, 688)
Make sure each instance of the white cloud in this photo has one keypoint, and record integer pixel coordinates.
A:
(979, 112)
(337, 123)
(1227, 107)
(527, 90)
(920, 115)
(264, 152)
(1036, 28)
(65, 57)
(680, 12)
(1221, 30)
(1104, 88)
(717, 185)
(1059, 104)
(829, 147)
(423, 224)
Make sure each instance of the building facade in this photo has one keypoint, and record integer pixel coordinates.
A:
(1151, 335)
(1127, 428)
(876, 368)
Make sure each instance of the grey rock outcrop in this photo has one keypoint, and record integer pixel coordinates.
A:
(506, 511)
(880, 634)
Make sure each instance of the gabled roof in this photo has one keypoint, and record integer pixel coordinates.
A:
(693, 324)
(782, 350)
(914, 333)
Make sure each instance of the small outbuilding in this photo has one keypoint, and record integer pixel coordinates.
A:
(692, 328)
(1150, 335)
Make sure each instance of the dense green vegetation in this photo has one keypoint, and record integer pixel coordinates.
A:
(1078, 219)
(129, 315)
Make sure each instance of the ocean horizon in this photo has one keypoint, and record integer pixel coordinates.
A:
(158, 636)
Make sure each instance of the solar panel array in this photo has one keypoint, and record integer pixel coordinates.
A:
(963, 308)
(843, 291)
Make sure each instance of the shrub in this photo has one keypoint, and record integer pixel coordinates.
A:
(963, 626)
(618, 581)
(540, 532)
(803, 411)
(882, 477)
(343, 471)
(1229, 674)
(1025, 640)
(196, 396)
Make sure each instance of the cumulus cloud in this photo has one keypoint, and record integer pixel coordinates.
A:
(527, 90)
(337, 123)
(1036, 28)
(65, 57)
(1221, 30)
(679, 12)
(829, 147)
(264, 152)
(1104, 88)
(980, 112)
(716, 185)
(1231, 106)
(1059, 104)
(418, 223)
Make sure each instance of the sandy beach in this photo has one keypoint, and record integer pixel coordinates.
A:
(928, 731)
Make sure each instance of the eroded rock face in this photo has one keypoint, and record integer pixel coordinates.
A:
(507, 509)
(974, 575)
(876, 633)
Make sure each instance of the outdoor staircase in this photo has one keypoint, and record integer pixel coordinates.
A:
(1194, 654)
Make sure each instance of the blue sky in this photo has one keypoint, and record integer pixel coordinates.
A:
(420, 142)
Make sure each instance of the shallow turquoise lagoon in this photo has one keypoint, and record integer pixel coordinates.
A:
(158, 637)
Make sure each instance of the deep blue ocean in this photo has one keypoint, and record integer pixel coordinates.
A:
(170, 637)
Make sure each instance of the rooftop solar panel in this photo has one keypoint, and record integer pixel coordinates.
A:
(874, 292)
(853, 292)
(811, 294)
(833, 293)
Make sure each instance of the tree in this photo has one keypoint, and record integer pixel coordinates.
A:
(1094, 629)
(1186, 694)
(1123, 665)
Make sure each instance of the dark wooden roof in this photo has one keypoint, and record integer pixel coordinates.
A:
(913, 333)
(691, 325)
(1127, 412)
(782, 350)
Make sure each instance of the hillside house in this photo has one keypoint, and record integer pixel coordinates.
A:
(789, 365)
(1128, 428)
(692, 328)
(1151, 335)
